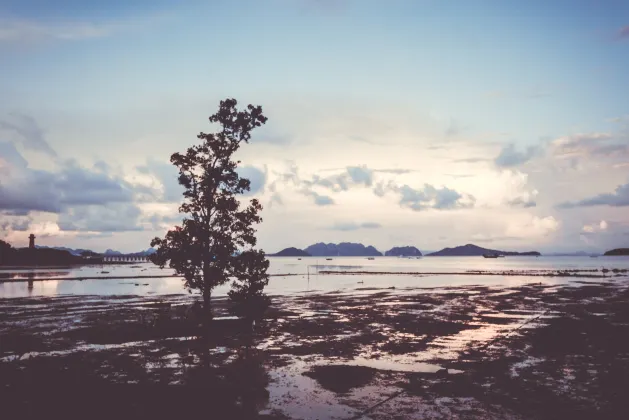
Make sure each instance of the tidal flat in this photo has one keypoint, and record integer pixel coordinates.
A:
(530, 351)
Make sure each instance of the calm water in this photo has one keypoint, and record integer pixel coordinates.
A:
(306, 279)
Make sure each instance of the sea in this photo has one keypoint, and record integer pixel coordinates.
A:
(290, 275)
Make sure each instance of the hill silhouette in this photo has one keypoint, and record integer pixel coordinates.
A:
(403, 251)
(617, 252)
(344, 249)
(291, 252)
(471, 250)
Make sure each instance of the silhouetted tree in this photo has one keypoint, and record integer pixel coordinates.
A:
(216, 240)
(6, 252)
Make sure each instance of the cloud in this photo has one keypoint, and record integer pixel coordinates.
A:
(619, 198)
(583, 145)
(428, 197)
(623, 33)
(471, 160)
(522, 202)
(360, 175)
(30, 133)
(320, 200)
(394, 171)
(22, 30)
(532, 227)
(595, 227)
(510, 157)
(119, 217)
(256, 176)
(23, 189)
(15, 224)
(355, 226)
(276, 199)
(168, 175)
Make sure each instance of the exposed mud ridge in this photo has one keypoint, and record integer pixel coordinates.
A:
(529, 352)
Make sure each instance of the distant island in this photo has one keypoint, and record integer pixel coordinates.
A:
(291, 252)
(617, 252)
(403, 251)
(471, 250)
(344, 249)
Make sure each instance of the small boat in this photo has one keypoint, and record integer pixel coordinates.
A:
(328, 259)
(299, 259)
(370, 258)
(490, 255)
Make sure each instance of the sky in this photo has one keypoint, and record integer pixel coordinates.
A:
(430, 123)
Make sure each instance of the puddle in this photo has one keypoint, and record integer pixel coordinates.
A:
(298, 396)
(394, 364)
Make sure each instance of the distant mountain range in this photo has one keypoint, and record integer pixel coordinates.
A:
(349, 249)
(343, 249)
(471, 250)
(109, 252)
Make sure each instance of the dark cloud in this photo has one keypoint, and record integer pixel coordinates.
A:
(510, 157)
(352, 176)
(31, 135)
(619, 198)
(16, 224)
(521, 202)
(23, 189)
(355, 226)
(428, 197)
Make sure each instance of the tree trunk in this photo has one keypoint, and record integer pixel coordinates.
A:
(207, 310)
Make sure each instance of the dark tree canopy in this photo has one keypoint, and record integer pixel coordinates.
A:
(216, 240)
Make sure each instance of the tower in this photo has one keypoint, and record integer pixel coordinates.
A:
(31, 241)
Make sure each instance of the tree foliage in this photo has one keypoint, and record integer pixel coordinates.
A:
(7, 252)
(216, 240)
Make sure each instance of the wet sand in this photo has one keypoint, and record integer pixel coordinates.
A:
(534, 351)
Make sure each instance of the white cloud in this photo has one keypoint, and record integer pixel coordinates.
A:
(532, 227)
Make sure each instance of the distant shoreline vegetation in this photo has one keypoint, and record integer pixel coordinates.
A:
(42, 256)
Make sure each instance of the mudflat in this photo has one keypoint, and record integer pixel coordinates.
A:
(526, 352)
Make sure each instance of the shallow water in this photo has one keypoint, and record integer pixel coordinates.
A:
(305, 278)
